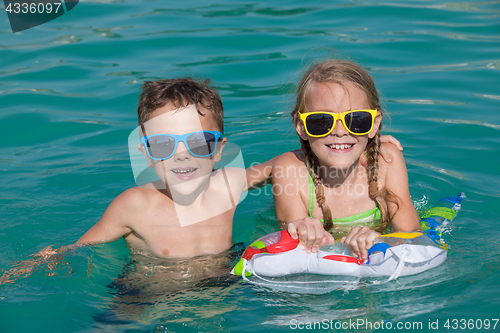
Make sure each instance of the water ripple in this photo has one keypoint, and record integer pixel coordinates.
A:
(161, 11)
(488, 96)
(41, 91)
(450, 24)
(241, 90)
(108, 30)
(448, 6)
(490, 64)
(232, 59)
(468, 122)
(126, 73)
(247, 9)
(423, 101)
(440, 170)
(238, 11)
(27, 69)
(449, 35)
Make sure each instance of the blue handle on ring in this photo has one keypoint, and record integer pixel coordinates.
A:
(382, 247)
(378, 247)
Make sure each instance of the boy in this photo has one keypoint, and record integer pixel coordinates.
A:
(189, 211)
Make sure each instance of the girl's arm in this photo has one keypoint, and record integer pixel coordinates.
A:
(290, 185)
(404, 217)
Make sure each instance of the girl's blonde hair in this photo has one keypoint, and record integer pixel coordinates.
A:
(341, 72)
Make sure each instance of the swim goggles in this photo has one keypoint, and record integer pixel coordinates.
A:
(198, 144)
(322, 123)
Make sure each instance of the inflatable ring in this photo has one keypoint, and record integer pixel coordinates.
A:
(392, 255)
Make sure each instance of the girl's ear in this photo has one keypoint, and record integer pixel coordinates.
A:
(301, 131)
(376, 126)
(218, 153)
(142, 149)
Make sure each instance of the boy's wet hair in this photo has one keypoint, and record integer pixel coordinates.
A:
(180, 92)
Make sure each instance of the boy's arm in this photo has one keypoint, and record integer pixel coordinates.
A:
(111, 226)
(26, 267)
(114, 222)
(384, 151)
(260, 174)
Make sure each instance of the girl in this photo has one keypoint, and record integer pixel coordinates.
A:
(325, 187)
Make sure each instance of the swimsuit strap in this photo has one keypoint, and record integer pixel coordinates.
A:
(370, 212)
(353, 218)
(311, 194)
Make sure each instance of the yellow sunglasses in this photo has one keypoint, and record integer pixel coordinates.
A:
(322, 123)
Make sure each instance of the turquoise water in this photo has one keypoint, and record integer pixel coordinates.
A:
(68, 94)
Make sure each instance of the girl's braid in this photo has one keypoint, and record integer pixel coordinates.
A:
(373, 150)
(381, 197)
(312, 165)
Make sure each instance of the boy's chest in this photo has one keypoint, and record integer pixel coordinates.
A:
(161, 233)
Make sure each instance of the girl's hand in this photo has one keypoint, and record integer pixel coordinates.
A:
(359, 240)
(311, 234)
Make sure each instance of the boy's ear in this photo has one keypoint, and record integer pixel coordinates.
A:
(142, 149)
(376, 126)
(218, 153)
(301, 131)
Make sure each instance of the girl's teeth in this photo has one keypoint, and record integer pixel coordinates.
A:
(343, 146)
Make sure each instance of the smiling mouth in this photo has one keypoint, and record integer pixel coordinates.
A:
(183, 171)
(343, 146)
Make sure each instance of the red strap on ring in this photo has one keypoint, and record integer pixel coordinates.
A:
(286, 243)
(341, 258)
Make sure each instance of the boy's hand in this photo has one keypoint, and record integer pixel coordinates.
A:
(359, 240)
(311, 234)
(391, 139)
(47, 256)
(383, 150)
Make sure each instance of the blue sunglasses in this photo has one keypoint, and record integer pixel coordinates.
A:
(199, 144)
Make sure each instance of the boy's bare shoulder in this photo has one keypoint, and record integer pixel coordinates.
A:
(121, 217)
(132, 195)
(134, 200)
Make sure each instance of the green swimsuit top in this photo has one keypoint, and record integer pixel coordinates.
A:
(342, 226)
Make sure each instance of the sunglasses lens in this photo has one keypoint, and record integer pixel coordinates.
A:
(201, 144)
(319, 124)
(161, 146)
(359, 121)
